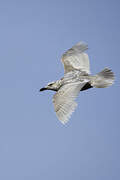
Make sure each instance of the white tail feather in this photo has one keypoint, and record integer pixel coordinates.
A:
(103, 79)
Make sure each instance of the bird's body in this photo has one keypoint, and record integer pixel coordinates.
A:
(76, 78)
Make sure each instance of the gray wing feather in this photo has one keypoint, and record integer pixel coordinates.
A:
(76, 59)
(64, 100)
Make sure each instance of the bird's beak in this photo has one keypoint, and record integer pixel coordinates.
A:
(42, 89)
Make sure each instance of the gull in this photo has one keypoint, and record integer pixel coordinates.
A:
(76, 78)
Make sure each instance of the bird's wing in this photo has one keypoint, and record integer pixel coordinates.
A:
(76, 59)
(64, 100)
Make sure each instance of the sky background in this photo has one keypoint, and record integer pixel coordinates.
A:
(34, 145)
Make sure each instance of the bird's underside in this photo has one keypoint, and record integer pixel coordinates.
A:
(86, 86)
(76, 78)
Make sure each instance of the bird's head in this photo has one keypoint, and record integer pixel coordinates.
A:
(51, 86)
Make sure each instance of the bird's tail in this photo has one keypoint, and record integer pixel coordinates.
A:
(103, 79)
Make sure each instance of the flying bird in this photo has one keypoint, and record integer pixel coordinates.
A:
(76, 78)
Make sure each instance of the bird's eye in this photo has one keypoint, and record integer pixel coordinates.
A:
(50, 84)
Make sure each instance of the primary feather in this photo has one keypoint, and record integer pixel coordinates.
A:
(64, 100)
(76, 59)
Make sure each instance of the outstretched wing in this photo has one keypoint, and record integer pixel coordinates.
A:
(64, 100)
(76, 59)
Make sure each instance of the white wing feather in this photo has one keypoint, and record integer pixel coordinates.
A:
(76, 59)
(63, 100)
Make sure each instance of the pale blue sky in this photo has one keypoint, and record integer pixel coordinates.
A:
(34, 145)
